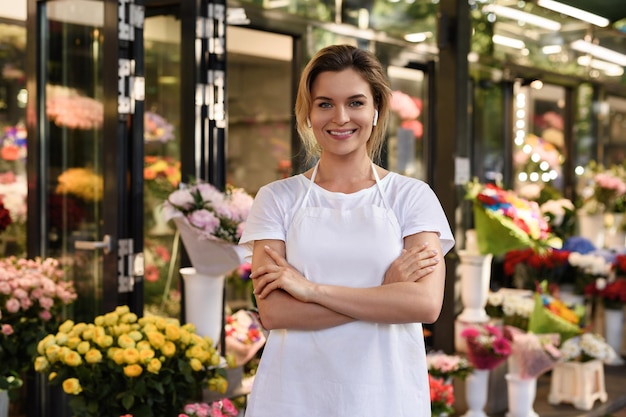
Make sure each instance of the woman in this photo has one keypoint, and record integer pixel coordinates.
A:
(346, 259)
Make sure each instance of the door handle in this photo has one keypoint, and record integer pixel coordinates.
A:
(104, 244)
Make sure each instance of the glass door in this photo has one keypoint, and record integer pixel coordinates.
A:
(408, 130)
(89, 95)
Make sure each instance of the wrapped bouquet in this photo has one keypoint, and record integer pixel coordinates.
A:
(504, 221)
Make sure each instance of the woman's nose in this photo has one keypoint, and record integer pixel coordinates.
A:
(341, 115)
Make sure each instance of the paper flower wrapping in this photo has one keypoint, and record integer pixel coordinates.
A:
(504, 221)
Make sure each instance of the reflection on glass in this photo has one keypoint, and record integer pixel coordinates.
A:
(539, 150)
(161, 163)
(615, 128)
(488, 127)
(260, 110)
(13, 186)
(74, 116)
(406, 129)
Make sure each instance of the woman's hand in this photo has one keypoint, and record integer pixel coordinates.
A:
(280, 276)
(412, 264)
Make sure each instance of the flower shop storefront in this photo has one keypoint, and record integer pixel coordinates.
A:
(119, 113)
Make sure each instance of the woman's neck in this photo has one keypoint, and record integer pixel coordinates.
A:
(347, 176)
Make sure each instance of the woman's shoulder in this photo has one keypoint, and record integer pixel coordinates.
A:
(285, 190)
(401, 182)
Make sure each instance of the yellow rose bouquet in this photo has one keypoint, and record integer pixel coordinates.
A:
(121, 364)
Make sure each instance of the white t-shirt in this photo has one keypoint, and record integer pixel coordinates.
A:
(359, 369)
(413, 201)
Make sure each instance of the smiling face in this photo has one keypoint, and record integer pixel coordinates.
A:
(342, 112)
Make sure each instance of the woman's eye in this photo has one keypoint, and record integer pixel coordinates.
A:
(324, 105)
(356, 103)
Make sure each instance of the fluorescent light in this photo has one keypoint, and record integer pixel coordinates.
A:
(510, 42)
(551, 49)
(599, 52)
(417, 37)
(594, 19)
(522, 16)
(612, 70)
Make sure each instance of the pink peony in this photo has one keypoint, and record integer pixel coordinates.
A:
(205, 220)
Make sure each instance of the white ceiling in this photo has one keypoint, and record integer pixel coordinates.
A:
(14, 9)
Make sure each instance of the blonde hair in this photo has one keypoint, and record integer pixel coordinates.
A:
(337, 58)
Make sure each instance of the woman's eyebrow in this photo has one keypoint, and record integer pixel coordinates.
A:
(349, 98)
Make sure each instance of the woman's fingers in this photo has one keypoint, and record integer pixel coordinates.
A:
(412, 264)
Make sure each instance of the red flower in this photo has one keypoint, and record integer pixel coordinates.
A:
(5, 218)
(441, 395)
(10, 152)
(486, 346)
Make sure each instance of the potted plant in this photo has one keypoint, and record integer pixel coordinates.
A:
(121, 364)
(33, 293)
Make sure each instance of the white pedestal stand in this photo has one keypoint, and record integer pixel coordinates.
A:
(476, 388)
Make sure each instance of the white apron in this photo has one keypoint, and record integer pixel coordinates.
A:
(359, 369)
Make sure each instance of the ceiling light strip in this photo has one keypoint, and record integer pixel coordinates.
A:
(510, 42)
(599, 52)
(519, 15)
(574, 12)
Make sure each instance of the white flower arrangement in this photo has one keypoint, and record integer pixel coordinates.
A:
(589, 263)
(512, 305)
(586, 347)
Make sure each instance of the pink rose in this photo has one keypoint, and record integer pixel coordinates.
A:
(7, 329)
(45, 315)
(12, 305)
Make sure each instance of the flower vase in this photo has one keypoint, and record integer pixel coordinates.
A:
(475, 277)
(4, 403)
(204, 302)
(521, 394)
(476, 388)
(615, 237)
(591, 227)
(613, 327)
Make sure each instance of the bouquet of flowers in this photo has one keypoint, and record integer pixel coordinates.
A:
(487, 346)
(552, 315)
(587, 268)
(586, 347)
(504, 221)
(33, 293)
(602, 188)
(441, 365)
(441, 396)
(532, 354)
(221, 408)
(612, 293)
(528, 267)
(561, 216)
(156, 128)
(513, 306)
(215, 214)
(122, 364)
(244, 336)
(82, 183)
(408, 110)
(210, 223)
(161, 175)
